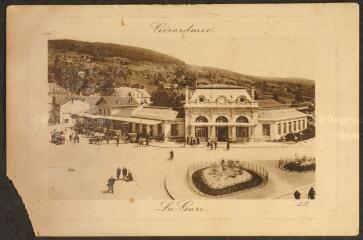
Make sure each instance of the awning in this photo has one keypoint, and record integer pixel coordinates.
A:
(123, 119)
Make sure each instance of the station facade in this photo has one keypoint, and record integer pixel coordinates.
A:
(220, 112)
(216, 112)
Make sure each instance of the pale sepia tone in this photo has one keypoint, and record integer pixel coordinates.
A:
(220, 115)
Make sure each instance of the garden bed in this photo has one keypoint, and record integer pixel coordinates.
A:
(299, 167)
(249, 180)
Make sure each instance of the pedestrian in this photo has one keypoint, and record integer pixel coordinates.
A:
(107, 139)
(188, 140)
(215, 145)
(227, 145)
(311, 194)
(124, 172)
(117, 140)
(208, 143)
(118, 173)
(70, 137)
(211, 145)
(171, 155)
(110, 183)
(129, 177)
(77, 138)
(297, 194)
(198, 140)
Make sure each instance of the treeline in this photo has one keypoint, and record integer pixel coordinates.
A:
(99, 50)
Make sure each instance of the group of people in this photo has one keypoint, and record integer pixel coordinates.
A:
(74, 137)
(126, 176)
(311, 194)
(212, 144)
(193, 141)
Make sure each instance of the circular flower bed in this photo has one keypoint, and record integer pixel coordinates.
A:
(299, 166)
(220, 179)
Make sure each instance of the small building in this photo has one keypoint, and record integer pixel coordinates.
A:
(75, 105)
(57, 95)
(157, 122)
(141, 96)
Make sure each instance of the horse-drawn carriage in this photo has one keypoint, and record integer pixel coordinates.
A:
(96, 139)
(57, 138)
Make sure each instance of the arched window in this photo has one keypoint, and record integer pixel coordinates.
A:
(201, 119)
(242, 119)
(221, 119)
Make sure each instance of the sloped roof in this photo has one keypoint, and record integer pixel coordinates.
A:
(54, 88)
(269, 103)
(157, 113)
(280, 114)
(92, 110)
(117, 100)
(144, 93)
(212, 94)
(125, 112)
(90, 99)
(59, 100)
(125, 91)
(122, 91)
(219, 86)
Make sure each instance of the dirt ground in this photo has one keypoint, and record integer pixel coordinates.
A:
(80, 171)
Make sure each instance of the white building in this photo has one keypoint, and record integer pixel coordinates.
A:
(140, 95)
(230, 113)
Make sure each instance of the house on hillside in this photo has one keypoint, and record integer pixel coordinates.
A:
(141, 96)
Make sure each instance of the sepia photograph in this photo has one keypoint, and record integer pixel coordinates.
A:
(184, 120)
(134, 122)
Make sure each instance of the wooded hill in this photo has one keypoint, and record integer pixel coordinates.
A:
(92, 67)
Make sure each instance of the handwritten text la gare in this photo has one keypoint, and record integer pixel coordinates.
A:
(181, 206)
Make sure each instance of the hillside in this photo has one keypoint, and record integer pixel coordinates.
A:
(88, 68)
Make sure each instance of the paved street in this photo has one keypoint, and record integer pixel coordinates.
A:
(80, 171)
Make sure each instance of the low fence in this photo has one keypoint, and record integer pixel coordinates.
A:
(252, 168)
(283, 162)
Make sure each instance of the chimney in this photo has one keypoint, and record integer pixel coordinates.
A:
(186, 94)
(253, 93)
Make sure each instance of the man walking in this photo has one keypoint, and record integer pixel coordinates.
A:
(124, 173)
(227, 145)
(118, 173)
(110, 183)
(311, 194)
(171, 155)
(117, 140)
(215, 145)
(70, 137)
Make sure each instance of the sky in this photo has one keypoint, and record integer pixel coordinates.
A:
(262, 43)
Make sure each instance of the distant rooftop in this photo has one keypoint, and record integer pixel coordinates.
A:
(219, 86)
